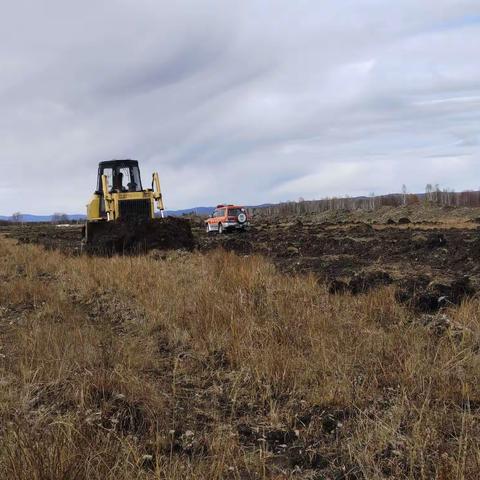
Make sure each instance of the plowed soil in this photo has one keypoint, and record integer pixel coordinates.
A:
(162, 234)
(432, 265)
(52, 237)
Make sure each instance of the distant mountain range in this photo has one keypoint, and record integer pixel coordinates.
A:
(26, 217)
(196, 211)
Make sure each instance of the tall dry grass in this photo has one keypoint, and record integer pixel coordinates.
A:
(216, 366)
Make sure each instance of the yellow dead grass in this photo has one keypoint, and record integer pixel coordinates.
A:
(191, 366)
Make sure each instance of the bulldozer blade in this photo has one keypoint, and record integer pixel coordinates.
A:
(136, 237)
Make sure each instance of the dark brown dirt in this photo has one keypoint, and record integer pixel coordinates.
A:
(161, 234)
(432, 265)
(52, 237)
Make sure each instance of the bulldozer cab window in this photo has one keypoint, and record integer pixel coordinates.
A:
(121, 179)
(129, 179)
(108, 172)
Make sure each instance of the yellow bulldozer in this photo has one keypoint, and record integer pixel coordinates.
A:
(121, 214)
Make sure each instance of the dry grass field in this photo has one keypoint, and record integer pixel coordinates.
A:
(218, 366)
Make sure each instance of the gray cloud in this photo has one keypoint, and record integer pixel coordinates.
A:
(246, 102)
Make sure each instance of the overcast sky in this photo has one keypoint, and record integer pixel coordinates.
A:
(237, 101)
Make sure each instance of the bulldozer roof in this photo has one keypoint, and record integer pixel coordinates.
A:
(118, 163)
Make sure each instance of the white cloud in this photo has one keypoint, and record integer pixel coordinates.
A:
(237, 101)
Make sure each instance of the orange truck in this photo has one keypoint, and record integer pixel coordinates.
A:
(226, 218)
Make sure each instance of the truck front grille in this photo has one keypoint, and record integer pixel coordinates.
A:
(134, 209)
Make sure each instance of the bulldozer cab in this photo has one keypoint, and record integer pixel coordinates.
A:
(122, 176)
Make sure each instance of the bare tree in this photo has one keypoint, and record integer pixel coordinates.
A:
(428, 192)
(59, 218)
(17, 217)
(437, 193)
(404, 194)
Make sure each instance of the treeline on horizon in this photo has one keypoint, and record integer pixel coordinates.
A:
(432, 196)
